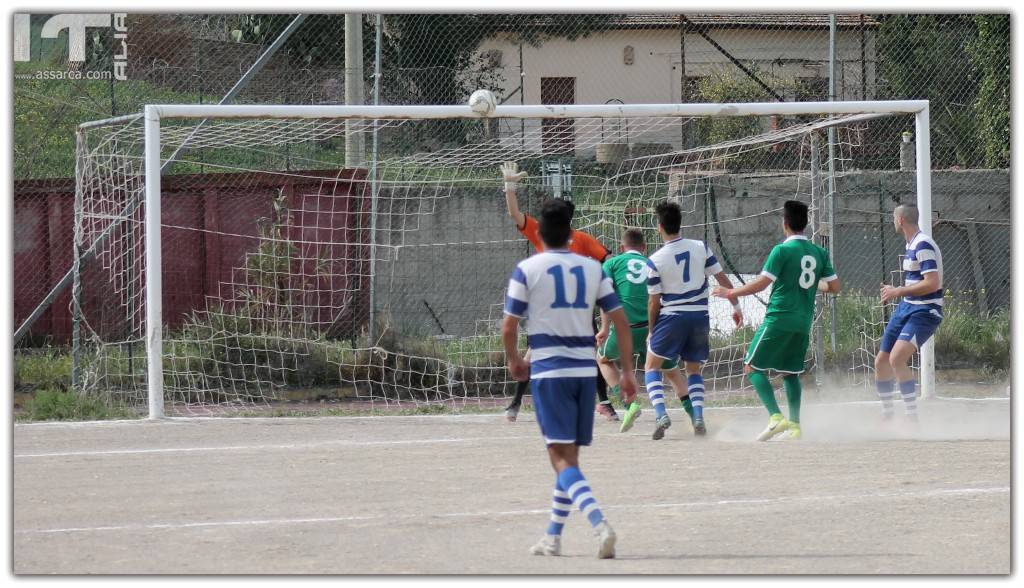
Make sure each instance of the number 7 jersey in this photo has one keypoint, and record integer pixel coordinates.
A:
(795, 266)
(679, 272)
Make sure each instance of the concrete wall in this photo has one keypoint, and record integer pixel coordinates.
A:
(866, 247)
(457, 258)
(445, 272)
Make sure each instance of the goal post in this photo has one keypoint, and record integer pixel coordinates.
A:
(156, 116)
(924, 204)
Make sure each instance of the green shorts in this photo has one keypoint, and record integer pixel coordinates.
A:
(774, 349)
(610, 349)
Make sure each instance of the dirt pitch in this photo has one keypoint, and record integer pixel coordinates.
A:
(470, 494)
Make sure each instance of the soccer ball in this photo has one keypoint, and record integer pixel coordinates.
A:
(483, 102)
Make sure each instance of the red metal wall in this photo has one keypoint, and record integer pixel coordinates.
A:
(208, 220)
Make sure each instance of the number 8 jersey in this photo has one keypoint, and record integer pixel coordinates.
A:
(795, 266)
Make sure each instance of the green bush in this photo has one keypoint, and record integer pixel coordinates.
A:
(50, 368)
(970, 339)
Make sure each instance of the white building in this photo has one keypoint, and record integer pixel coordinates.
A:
(642, 58)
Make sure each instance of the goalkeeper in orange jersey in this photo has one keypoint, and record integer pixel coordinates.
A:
(580, 243)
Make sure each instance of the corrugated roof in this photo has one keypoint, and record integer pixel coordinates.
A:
(741, 20)
(761, 20)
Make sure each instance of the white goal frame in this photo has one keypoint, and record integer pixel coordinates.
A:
(155, 113)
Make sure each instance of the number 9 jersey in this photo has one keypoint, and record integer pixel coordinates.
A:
(795, 266)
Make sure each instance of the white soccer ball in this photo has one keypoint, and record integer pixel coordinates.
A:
(483, 102)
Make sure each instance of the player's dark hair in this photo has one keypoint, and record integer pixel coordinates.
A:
(633, 238)
(572, 208)
(794, 213)
(555, 217)
(670, 217)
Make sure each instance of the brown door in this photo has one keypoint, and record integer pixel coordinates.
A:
(558, 135)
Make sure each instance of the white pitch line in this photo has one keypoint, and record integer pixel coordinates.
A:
(486, 416)
(934, 493)
(231, 419)
(339, 442)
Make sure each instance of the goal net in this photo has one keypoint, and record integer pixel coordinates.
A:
(283, 270)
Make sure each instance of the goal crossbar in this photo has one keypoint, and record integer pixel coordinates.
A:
(535, 111)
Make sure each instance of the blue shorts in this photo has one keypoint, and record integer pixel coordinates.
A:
(565, 409)
(911, 322)
(681, 336)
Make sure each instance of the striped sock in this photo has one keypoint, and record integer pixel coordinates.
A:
(695, 387)
(907, 390)
(561, 505)
(578, 489)
(655, 391)
(884, 388)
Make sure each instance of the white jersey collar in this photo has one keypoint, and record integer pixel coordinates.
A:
(796, 238)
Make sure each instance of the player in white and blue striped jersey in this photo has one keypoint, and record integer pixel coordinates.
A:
(677, 309)
(558, 290)
(917, 316)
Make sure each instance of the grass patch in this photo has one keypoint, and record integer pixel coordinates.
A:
(970, 339)
(63, 405)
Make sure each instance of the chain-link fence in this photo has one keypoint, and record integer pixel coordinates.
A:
(958, 62)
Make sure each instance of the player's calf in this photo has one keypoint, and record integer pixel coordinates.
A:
(695, 391)
(656, 392)
(512, 410)
(899, 359)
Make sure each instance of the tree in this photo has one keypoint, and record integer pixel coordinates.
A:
(924, 56)
(990, 54)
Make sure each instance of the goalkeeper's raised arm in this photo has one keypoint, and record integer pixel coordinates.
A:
(512, 176)
(580, 242)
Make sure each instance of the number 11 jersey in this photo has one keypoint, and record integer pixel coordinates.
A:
(557, 291)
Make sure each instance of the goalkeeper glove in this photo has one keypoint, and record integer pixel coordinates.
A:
(512, 175)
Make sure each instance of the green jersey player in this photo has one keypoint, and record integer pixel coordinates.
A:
(796, 269)
(628, 272)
